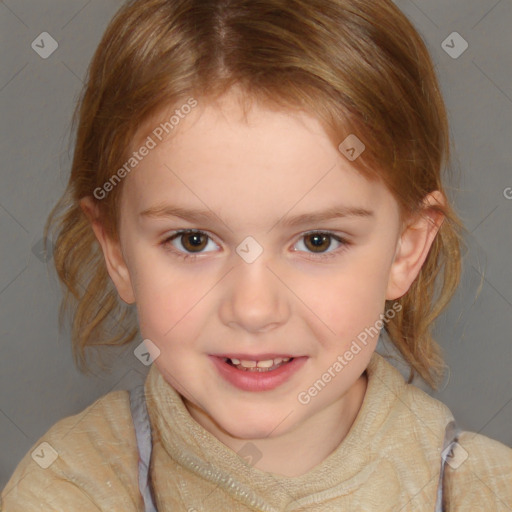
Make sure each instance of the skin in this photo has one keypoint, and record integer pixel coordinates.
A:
(252, 173)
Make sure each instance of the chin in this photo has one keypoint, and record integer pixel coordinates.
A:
(246, 427)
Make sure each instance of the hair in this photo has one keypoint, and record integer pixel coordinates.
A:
(358, 66)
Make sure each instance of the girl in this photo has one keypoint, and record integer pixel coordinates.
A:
(262, 180)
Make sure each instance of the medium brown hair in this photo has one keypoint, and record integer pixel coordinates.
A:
(358, 66)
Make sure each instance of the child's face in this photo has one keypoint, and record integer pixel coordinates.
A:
(257, 180)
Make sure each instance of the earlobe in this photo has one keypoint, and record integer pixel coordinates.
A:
(114, 260)
(414, 245)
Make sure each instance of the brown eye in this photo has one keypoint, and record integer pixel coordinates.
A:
(188, 243)
(317, 242)
(194, 242)
(321, 244)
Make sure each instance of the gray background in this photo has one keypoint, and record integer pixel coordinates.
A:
(39, 382)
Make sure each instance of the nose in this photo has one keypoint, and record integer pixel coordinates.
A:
(254, 299)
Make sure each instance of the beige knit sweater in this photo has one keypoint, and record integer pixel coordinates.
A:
(389, 461)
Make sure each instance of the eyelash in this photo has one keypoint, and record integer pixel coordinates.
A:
(316, 256)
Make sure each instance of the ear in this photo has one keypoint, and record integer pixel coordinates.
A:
(413, 246)
(112, 252)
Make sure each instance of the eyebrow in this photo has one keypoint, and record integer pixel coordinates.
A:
(203, 216)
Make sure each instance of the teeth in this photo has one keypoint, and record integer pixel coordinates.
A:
(268, 364)
(248, 364)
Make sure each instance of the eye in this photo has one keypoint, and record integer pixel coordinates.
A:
(321, 243)
(189, 242)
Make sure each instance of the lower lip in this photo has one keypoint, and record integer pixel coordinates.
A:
(257, 381)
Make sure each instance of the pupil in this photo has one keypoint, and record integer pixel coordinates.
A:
(193, 241)
(318, 242)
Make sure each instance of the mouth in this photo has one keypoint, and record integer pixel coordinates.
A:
(263, 372)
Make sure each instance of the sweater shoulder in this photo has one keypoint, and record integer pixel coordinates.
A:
(85, 461)
(479, 474)
(478, 471)
(412, 406)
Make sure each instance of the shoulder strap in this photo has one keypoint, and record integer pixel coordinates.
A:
(451, 436)
(144, 444)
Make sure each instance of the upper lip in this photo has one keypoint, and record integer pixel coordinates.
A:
(254, 357)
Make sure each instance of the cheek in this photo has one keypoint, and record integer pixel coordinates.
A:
(169, 302)
(347, 299)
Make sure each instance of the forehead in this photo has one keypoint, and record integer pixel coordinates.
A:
(226, 159)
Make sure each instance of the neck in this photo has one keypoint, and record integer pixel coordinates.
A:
(317, 437)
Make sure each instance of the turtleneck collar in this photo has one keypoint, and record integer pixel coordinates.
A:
(345, 469)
